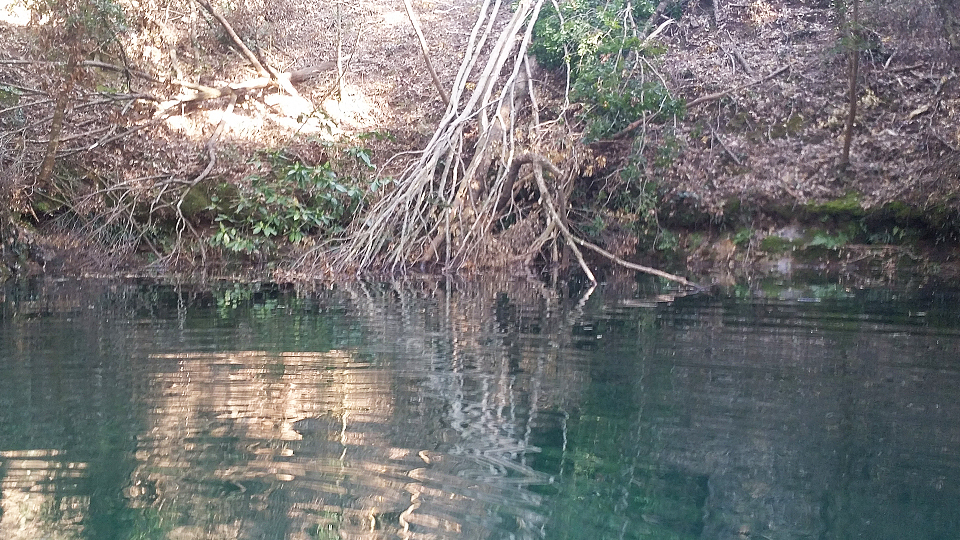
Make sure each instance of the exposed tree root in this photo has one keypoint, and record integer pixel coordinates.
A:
(450, 205)
(574, 241)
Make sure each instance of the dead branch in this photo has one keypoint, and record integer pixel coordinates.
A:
(433, 193)
(719, 14)
(120, 69)
(700, 101)
(638, 267)
(203, 92)
(571, 241)
(726, 148)
(444, 205)
(244, 50)
(574, 241)
(26, 105)
(84, 63)
(182, 222)
(263, 69)
(663, 26)
(853, 69)
(657, 13)
(415, 21)
(713, 97)
(735, 53)
(907, 68)
(56, 126)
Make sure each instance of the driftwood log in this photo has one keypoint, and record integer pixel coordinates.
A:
(268, 75)
(199, 92)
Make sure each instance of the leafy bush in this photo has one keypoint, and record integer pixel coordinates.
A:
(583, 29)
(600, 44)
(290, 200)
(619, 97)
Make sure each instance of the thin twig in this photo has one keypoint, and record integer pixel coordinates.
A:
(726, 148)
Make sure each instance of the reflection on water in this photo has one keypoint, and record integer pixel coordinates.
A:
(476, 412)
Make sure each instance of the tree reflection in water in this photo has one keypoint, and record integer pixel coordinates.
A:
(495, 410)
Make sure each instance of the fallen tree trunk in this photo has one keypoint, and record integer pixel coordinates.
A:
(202, 92)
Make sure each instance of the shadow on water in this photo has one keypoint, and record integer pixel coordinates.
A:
(476, 411)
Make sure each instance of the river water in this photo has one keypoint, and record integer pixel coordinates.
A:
(511, 410)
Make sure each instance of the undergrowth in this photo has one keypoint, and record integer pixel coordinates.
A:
(286, 200)
(599, 43)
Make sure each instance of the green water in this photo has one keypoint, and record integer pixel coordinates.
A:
(477, 411)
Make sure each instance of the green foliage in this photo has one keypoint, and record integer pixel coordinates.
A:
(582, 29)
(743, 236)
(628, 197)
(620, 96)
(13, 117)
(674, 9)
(775, 244)
(9, 95)
(598, 41)
(694, 240)
(667, 241)
(291, 201)
(667, 152)
(638, 195)
(848, 206)
(829, 241)
(894, 235)
(635, 193)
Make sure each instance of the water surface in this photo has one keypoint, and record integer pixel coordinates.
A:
(477, 411)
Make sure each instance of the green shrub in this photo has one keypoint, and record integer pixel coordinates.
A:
(828, 241)
(289, 200)
(599, 43)
(582, 29)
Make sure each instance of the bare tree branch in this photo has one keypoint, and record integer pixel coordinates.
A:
(247, 53)
(415, 21)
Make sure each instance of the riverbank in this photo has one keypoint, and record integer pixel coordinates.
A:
(747, 181)
(758, 152)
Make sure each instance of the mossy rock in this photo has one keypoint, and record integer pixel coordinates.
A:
(776, 245)
(196, 201)
(846, 207)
